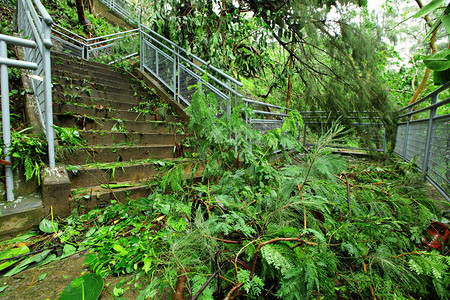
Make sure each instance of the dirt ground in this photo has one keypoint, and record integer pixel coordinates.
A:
(48, 281)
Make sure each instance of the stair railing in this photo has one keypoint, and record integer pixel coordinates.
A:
(5, 62)
(369, 132)
(34, 22)
(73, 44)
(423, 137)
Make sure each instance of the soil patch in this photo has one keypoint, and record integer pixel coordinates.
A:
(48, 281)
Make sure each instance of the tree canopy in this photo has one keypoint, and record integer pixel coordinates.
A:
(307, 54)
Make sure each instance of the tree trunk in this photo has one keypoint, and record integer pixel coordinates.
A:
(291, 66)
(80, 11)
(433, 50)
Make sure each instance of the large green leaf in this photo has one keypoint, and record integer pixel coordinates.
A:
(446, 21)
(47, 227)
(87, 287)
(12, 253)
(428, 8)
(24, 264)
(439, 61)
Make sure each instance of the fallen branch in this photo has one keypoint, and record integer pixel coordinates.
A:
(208, 282)
(31, 253)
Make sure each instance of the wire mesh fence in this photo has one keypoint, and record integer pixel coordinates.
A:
(365, 130)
(426, 141)
(96, 48)
(34, 23)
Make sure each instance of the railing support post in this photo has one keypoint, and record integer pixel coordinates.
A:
(433, 113)
(6, 124)
(407, 133)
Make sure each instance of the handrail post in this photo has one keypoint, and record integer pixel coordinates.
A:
(174, 77)
(141, 59)
(6, 124)
(407, 132)
(229, 100)
(433, 113)
(48, 94)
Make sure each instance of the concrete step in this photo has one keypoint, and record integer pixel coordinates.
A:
(118, 153)
(106, 112)
(62, 61)
(78, 77)
(106, 124)
(92, 175)
(100, 196)
(95, 186)
(132, 138)
(100, 103)
(98, 91)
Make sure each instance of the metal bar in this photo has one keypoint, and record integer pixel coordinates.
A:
(270, 113)
(17, 41)
(18, 63)
(433, 113)
(112, 34)
(264, 104)
(439, 90)
(434, 105)
(45, 15)
(6, 125)
(193, 56)
(48, 102)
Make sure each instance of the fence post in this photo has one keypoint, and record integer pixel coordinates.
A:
(433, 113)
(46, 30)
(6, 123)
(229, 100)
(179, 75)
(174, 77)
(407, 132)
(141, 58)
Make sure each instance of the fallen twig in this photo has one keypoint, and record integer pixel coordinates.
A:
(31, 253)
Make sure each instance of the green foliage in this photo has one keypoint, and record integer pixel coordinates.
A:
(30, 151)
(88, 286)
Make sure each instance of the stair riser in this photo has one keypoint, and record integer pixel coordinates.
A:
(69, 65)
(120, 195)
(93, 138)
(69, 94)
(86, 100)
(65, 58)
(92, 177)
(85, 156)
(112, 125)
(104, 113)
(88, 77)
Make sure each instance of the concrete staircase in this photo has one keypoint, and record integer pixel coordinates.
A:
(128, 131)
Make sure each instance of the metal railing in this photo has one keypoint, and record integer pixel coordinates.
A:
(34, 22)
(179, 71)
(367, 132)
(126, 9)
(73, 44)
(5, 62)
(267, 116)
(426, 140)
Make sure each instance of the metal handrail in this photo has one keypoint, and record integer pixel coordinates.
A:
(419, 139)
(37, 26)
(5, 62)
(87, 46)
(429, 96)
